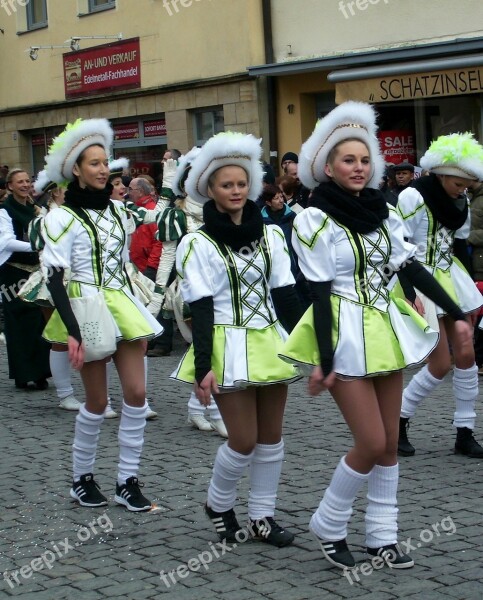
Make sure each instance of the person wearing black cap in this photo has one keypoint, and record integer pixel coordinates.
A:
(287, 158)
(403, 174)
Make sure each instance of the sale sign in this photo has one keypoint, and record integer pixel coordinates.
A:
(115, 66)
(397, 145)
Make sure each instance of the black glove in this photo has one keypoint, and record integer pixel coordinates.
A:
(150, 273)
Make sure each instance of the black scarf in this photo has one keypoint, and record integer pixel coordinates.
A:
(21, 215)
(77, 197)
(442, 207)
(361, 214)
(222, 229)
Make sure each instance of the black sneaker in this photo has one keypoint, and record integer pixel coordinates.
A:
(129, 495)
(404, 446)
(267, 530)
(393, 556)
(225, 523)
(337, 553)
(86, 492)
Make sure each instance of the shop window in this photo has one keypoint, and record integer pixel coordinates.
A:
(97, 5)
(36, 14)
(207, 123)
(324, 103)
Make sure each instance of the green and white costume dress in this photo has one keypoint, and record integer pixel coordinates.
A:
(434, 245)
(83, 240)
(247, 335)
(373, 333)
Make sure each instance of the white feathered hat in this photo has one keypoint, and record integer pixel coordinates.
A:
(43, 184)
(75, 138)
(226, 149)
(182, 171)
(457, 154)
(354, 120)
(117, 166)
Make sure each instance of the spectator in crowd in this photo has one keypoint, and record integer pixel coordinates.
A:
(289, 186)
(402, 174)
(27, 352)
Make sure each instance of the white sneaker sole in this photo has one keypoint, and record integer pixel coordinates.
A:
(74, 496)
(329, 558)
(125, 503)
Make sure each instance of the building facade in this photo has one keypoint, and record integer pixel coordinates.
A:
(166, 73)
(420, 63)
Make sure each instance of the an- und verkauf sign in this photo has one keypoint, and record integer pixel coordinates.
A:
(98, 70)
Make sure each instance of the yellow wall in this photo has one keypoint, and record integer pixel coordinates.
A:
(325, 27)
(297, 90)
(205, 39)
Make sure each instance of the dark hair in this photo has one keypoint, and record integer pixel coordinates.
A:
(175, 153)
(269, 193)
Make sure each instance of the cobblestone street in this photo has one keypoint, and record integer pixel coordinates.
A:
(52, 549)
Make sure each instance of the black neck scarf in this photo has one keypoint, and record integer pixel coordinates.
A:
(21, 215)
(221, 228)
(442, 207)
(361, 214)
(77, 197)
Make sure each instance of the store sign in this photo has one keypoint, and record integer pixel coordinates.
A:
(412, 87)
(155, 128)
(126, 131)
(397, 146)
(101, 69)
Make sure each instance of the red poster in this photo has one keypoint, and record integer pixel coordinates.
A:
(397, 145)
(126, 131)
(115, 66)
(154, 128)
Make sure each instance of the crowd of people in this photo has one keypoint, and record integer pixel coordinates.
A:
(324, 272)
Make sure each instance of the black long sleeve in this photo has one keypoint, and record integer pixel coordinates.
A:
(320, 292)
(287, 306)
(55, 285)
(419, 277)
(202, 320)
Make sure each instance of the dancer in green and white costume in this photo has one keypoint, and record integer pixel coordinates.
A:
(436, 218)
(357, 337)
(232, 271)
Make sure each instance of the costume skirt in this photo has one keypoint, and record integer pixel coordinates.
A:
(242, 357)
(133, 320)
(459, 285)
(366, 341)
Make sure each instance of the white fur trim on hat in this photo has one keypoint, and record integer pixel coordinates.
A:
(457, 154)
(75, 138)
(226, 149)
(355, 120)
(117, 166)
(184, 162)
(43, 184)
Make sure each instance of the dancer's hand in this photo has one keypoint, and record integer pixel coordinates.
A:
(76, 353)
(318, 383)
(464, 333)
(206, 388)
(417, 305)
(473, 317)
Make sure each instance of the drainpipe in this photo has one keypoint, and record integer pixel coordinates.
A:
(271, 91)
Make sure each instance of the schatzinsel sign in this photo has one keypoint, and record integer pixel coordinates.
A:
(102, 69)
(412, 87)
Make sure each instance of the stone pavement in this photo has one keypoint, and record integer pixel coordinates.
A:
(60, 550)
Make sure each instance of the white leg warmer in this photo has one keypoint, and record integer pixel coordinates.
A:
(420, 386)
(265, 470)
(194, 405)
(60, 369)
(227, 471)
(131, 439)
(465, 389)
(329, 522)
(213, 411)
(381, 513)
(86, 436)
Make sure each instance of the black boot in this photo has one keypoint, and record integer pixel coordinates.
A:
(404, 446)
(466, 443)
